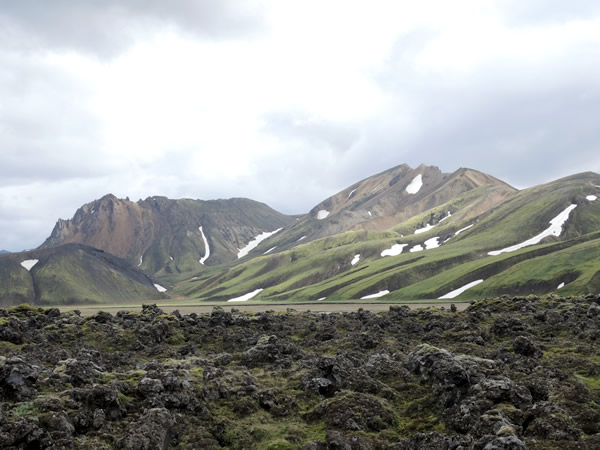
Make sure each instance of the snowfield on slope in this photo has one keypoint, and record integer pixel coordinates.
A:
(457, 292)
(355, 260)
(432, 243)
(322, 214)
(29, 263)
(159, 288)
(415, 185)
(207, 254)
(555, 229)
(463, 229)
(591, 198)
(394, 250)
(424, 229)
(379, 294)
(246, 297)
(254, 242)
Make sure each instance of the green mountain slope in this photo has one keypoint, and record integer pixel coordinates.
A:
(71, 274)
(324, 267)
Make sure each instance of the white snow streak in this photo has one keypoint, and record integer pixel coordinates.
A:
(171, 258)
(29, 263)
(321, 299)
(591, 198)
(457, 292)
(370, 215)
(561, 285)
(207, 254)
(254, 242)
(352, 192)
(394, 250)
(555, 229)
(159, 288)
(463, 229)
(140, 261)
(415, 185)
(322, 214)
(423, 230)
(355, 259)
(445, 217)
(417, 248)
(303, 237)
(246, 297)
(379, 294)
(270, 250)
(432, 243)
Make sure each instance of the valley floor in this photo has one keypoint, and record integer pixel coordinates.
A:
(186, 308)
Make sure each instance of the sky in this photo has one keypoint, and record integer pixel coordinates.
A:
(285, 102)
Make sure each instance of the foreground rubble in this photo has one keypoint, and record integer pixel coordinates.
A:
(507, 373)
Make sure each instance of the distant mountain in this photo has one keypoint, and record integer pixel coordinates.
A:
(72, 274)
(393, 197)
(464, 235)
(168, 236)
(2, 252)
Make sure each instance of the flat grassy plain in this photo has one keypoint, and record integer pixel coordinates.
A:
(189, 307)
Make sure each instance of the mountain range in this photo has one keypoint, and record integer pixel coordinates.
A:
(405, 233)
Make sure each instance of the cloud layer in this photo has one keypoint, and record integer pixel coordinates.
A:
(284, 102)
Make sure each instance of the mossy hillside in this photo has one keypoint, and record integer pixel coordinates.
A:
(72, 274)
(529, 212)
(317, 269)
(574, 266)
(16, 284)
(71, 278)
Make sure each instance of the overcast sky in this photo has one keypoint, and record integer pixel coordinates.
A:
(285, 102)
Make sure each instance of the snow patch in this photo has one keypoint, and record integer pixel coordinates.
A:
(270, 250)
(370, 215)
(591, 198)
(432, 243)
(394, 250)
(561, 285)
(207, 254)
(351, 192)
(321, 299)
(322, 214)
(445, 217)
(246, 297)
(254, 242)
(379, 294)
(29, 263)
(463, 229)
(159, 288)
(171, 258)
(355, 260)
(303, 237)
(457, 292)
(417, 248)
(555, 229)
(141, 260)
(424, 229)
(415, 185)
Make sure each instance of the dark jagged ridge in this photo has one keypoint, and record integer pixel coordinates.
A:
(506, 373)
